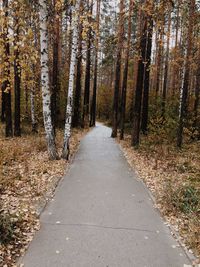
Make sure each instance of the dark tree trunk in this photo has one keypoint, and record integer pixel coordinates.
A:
(76, 120)
(139, 87)
(125, 75)
(145, 108)
(2, 105)
(197, 94)
(175, 69)
(166, 67)
(118, 71)
(17, 82)
(160, 48)
(55, 73)
(184, 92)
(6, 83)
(26, 101)
(94, 97)
(86, 105)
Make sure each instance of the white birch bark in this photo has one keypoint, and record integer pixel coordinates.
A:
(45, 81)
(68, 120)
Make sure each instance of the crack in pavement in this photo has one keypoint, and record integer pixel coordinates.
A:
(103, 227)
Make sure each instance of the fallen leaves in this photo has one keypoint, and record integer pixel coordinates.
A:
(173, 178)
(27, 181)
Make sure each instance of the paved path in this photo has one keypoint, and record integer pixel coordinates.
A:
(102, 216)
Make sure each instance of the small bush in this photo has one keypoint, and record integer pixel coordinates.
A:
(7, 227)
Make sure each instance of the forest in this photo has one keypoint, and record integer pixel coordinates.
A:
(133, 65)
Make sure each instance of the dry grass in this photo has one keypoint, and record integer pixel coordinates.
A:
(174, 178)
(27, 180)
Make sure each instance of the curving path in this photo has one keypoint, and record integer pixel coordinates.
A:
(102, 216)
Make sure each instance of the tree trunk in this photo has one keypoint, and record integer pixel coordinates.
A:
(6, 84)
(145, 108)
(17, 79)
(125, 74)
(76, 120)
(175, 69)
(86, 104)
(166, 67)
(139, 87)
(33, 116)
(118, 70)
(184, 91)
(197, 94)
(94, 97)
(55, 74)
(46, 94)
(2, 105)
(160, 47)
(68, 120)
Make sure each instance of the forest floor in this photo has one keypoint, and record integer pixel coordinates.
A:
(173, 176)
(27, 181)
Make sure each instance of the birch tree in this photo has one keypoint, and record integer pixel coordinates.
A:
(46, 94)
(68, 119)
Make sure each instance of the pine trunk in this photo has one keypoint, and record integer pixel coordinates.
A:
(125, 74)
(6, 84)
(139, 87)
(76, 120)
(118, 71)
(17, 81)
(33, 112)
(145, 107)
(184, 91)
(55, 74)
(94, 97)
(2, 105)
(166, 69)
(86, 104)
(197, 95)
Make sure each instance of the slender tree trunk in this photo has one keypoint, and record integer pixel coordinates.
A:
(175, 69)
(86, 105)
(6, 84)
(94, 97)
(76, 119)
(2, 105)
(46, 94)
(184, 91)
(118, 71)
(160, 48)
(33, 112)
(26, 100)
(197, 94)
(68, 121)
(166, 67)
(55, 74)
(139, 87)
(17, 80)
(145, 107)
(125, 74)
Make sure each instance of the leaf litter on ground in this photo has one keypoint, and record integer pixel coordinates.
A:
(27, 181)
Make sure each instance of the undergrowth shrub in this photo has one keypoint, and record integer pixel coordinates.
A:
(8, 225)
(184, 197)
